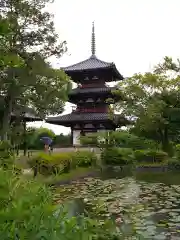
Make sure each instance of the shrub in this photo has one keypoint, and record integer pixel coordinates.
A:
(84, 159)
(150, 156)
(51, 164)
(173, 164)
(5, 146)
(125, 139)
(89, 140)
(177, 151)
(117, 156)
(6, 155)
(17, 170)
(61, 162)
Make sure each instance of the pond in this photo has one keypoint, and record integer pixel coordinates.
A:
(147, 203)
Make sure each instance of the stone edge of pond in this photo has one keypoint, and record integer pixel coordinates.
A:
(97, 172)
(142, 168)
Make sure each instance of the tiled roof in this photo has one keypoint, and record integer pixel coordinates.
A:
(91, 90)
(93, 63)
(79, 117)
(82, 117)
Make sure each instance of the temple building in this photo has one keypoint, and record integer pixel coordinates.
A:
(92, 113)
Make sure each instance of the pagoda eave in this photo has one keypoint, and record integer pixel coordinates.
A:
(71, 119)
(109, 72)
(82, 94)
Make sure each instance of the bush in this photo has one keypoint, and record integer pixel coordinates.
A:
(51, 164)
(84, 159)
(117, 156)
(174, 164)
(125, 139)
(89, 140)
(6, 155)
(61, 162)
(177, 151)
(150, 156)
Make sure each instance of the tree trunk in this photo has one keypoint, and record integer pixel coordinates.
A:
(6, 117)
(166, 146)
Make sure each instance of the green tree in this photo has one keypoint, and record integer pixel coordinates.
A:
(153, 101)
(27, 78)
(35, 134)
(62, 140)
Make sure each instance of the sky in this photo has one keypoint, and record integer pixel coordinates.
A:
(134, 34)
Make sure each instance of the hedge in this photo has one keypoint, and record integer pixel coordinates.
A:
(117, 156)
(124, 156)
(61, 162)
(150, 156)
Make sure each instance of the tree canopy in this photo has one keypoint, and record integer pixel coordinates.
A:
(152, 100)
(27, 40)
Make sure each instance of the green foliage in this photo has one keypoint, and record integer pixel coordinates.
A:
(117, 156)
(125, 139)
(62, 140)
(177, 151)
(61, 162)
(168, 64)
(174, 163)
(90, 139)
(27, 78)
(5, 146)
(84, 158)
(35, 134)
(150, 156)
(152, 100)
(51, 164)
(6, 155)
(27, 211)
(45, 132)
(123, 156)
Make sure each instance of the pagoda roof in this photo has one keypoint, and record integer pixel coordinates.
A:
(93, 63)
(73, 117)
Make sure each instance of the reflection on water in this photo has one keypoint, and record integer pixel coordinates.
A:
(148, 203)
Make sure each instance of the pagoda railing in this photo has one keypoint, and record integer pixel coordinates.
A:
(92, 85)
(90, 110)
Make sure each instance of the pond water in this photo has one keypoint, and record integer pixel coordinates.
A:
(143, 202)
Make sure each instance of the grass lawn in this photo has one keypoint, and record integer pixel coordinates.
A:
(22, 160)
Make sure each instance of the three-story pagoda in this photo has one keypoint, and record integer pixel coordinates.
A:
(92, 112)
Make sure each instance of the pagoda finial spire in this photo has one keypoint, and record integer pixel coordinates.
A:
(93, 41)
